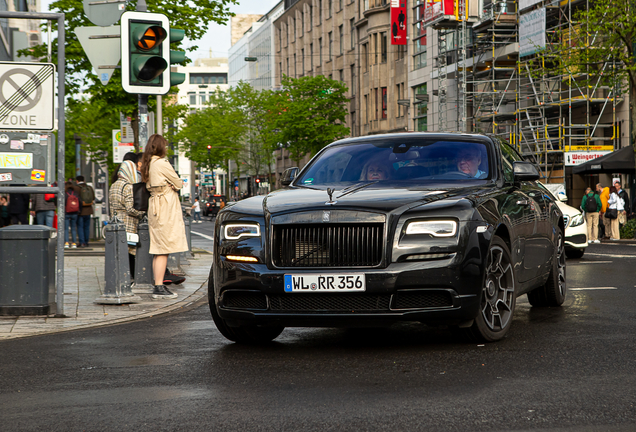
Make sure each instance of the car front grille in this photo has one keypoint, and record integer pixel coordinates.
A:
(331, 303)
(244, 300)
(328, 245)
(566, 220)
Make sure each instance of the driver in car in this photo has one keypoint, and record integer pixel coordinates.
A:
(469, 160)
(376, 169)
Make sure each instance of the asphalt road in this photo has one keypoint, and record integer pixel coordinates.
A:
(560, 369)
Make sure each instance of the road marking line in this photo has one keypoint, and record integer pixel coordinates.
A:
(611, 256)
(212, 239)
(592, 288)
(591, 262)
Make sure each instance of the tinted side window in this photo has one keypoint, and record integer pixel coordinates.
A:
(509, 156)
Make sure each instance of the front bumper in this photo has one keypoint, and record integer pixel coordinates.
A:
(576, 237)
(433, 291)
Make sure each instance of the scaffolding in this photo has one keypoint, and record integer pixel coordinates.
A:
(495, 88)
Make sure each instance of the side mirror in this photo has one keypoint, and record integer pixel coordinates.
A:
(288, 176)
(524, 171)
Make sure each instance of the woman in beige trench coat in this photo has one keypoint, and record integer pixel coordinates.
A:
(165, 220)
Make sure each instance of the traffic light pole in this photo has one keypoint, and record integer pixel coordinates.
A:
(143, 121)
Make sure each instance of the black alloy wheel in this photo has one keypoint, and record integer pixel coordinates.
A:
(553, 293)
(498, 297)
(574, 253)
(248, 335)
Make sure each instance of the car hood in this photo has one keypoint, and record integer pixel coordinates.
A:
(374, 200)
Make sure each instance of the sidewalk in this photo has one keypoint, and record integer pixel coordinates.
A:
(84, 282)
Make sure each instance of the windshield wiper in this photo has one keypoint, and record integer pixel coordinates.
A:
(354, 188)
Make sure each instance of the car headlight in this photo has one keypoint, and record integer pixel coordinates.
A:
(577, 220)
(235, 231)
(436, 228)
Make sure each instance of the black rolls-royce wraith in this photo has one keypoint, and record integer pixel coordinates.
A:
(436, 228)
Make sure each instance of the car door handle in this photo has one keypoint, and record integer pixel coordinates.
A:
(523, 202)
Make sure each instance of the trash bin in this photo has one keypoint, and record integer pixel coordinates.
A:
(27, 260)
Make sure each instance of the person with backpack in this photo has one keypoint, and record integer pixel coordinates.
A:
(591, 205)
(44, 206)
(72, 209)
(87, 195)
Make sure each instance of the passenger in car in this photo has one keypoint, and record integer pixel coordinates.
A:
(469, 160)
(377, 169)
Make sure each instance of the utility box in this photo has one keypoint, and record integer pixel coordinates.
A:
(27, 263)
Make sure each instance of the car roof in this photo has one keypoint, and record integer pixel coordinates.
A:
(410, 135)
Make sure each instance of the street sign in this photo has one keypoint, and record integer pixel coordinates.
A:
(127, 133)
(120, 148)
(27, 159)
(577, 158)
(104, 12)
(27, 94)
(101, 45)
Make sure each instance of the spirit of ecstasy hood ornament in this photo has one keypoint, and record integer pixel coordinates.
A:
(330, 193)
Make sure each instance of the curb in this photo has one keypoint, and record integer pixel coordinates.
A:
(193, 298)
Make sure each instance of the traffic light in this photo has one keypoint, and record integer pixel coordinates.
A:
(146, 55)
(209, 148)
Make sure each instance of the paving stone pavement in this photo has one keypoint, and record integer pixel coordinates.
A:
(84, 282)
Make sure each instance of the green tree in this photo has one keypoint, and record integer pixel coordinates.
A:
(598, 50)
(221, 125)
(311, 114)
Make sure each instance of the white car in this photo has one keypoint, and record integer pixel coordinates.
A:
(575, 227)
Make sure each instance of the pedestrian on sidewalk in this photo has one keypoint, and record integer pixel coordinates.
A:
(622, 193)
(196, 207)
(19, 208)
(4, 212)
(121, 201)
(43, 210)
(604, 194)
(87, 195)
(165, 219)
(615, 207)
(72, 210)
(591, 204)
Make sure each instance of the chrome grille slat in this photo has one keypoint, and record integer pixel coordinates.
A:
(328, 245)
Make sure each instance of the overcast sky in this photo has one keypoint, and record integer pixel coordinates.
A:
(218, 37)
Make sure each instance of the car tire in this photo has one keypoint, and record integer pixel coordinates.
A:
(574, 253)
(554, 291)
(497, 297)
(248, 335)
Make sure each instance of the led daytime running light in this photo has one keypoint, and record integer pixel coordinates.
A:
(241, 258)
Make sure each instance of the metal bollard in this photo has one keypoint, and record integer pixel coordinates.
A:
(174, 264)
(187, 220)
(116, 269)
(144, 278)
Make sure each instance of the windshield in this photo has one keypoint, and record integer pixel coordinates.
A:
(414, 161)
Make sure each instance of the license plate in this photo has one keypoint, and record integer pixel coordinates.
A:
(325, 283)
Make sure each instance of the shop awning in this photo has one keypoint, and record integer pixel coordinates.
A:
(618, 161)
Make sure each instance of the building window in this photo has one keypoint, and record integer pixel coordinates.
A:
(341, 35)
(384, 102)
(383, 46)
(352, 36)
(401, 52)
(287, 36)
(311, 56)
(294, 24)
(398, 91)
(287, 66)
(302, 61)
(295, 70)
(366, 5)
(319, 51)
(280, 39)
(377, 105)
(319, 11)
(353, 80)
(366, 109)
(208, 78)
(330, 45)
(339, 4)
(419, 57)
(421, 110)
(341, 73)
(193, 98)
(375, 48)
(365, 57)
(329, 7)
(302, 24)
(311, 17)
(202, 98)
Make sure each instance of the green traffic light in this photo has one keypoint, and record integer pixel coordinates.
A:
(146, 68)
